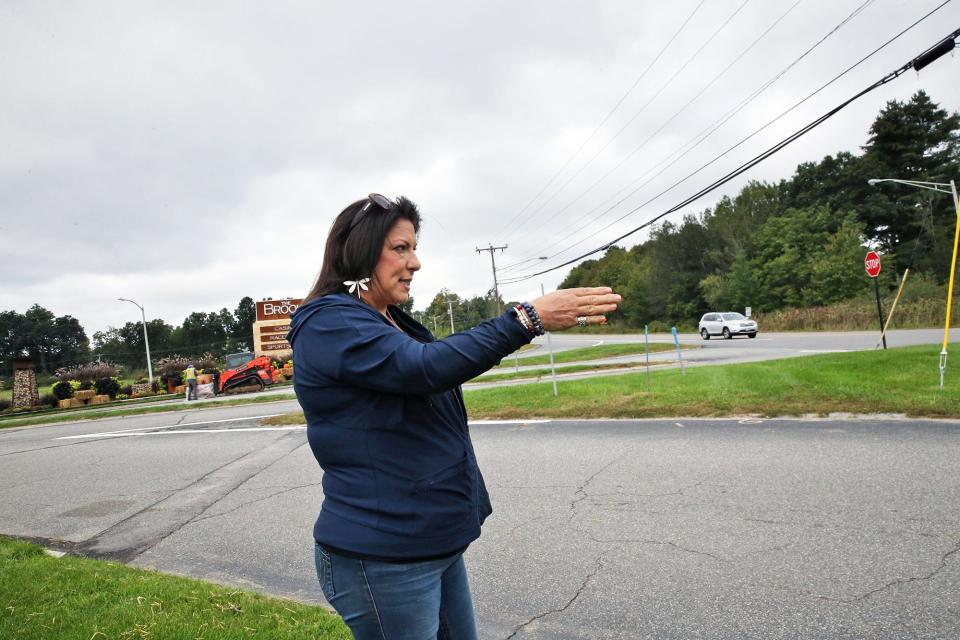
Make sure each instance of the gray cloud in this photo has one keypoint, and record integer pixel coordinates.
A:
(186, 156)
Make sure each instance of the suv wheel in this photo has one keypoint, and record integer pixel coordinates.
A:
(726, 334)
(752, 335)
(704, 334)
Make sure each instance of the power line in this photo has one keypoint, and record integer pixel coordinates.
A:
(923, 59)
(605, 118)
(671, 187)
(686, 148)
(676, 74)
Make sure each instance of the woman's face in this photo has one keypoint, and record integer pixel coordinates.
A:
(398, 262)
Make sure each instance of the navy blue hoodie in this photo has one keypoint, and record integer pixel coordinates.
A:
(387, 423)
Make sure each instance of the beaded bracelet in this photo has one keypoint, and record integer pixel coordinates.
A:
(534, 317)
(523, 319)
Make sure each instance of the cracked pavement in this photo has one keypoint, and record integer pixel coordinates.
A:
(601, 529)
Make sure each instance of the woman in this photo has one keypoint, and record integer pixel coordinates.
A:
(403, 496)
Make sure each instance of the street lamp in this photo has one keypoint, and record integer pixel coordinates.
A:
(146, 341)
(942, 187)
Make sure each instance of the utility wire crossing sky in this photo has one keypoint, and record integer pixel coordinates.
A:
(185, 157)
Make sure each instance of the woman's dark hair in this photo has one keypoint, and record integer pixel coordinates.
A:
(355, 241)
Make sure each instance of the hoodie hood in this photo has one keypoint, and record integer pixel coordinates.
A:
(342, 300)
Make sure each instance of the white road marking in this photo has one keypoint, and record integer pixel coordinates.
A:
(473, 422)
(678, 424)
(169, 426)
(750, 421)
(173, 433)
(160, 431)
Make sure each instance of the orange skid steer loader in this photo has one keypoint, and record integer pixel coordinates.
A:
(244, 372)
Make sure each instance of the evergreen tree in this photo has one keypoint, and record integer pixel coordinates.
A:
(913, 140)
(242, 332)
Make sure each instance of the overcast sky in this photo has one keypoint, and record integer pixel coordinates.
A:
(188, 154)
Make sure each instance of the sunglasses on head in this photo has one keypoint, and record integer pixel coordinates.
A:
(377, 201)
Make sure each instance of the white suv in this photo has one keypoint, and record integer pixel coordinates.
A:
(726, 324)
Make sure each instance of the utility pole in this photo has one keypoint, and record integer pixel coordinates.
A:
(450, 313)
(493, 263)
(435, 330)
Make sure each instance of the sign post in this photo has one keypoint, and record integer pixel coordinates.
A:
(872, 264)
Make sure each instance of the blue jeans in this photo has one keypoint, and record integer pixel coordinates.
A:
(399, 601)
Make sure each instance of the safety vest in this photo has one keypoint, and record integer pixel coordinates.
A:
(190, 373)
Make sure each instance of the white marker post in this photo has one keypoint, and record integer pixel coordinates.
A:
(553, 369)
(676, 340)
(646, 350)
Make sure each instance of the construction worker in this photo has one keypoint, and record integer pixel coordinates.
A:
(190, 376)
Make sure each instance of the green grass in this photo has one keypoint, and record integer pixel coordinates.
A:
(46, 598)
(903, 380)
(545, 373)
(67, 416)
(594, 353)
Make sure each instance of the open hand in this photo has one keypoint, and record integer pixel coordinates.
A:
(560, 309)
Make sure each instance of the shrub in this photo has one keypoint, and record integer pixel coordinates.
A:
(155, 387)
(206, 363)
(62, 390)
(48, 399)
(85, 384)
(108, 387)
(5, 404)
(172, 365)
(87, 372)
(122, 396)
(658, 326)
(127, 390)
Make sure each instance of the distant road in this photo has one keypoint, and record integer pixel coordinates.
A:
(766, 346)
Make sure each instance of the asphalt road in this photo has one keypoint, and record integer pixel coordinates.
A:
(602, 529)
(765, 346)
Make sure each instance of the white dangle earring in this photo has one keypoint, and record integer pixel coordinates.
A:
(354, 286)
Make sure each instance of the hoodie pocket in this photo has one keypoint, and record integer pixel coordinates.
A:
(446, 499)
(439, 504)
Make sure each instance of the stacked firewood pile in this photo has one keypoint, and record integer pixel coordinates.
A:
(83, 398)
(25, 393)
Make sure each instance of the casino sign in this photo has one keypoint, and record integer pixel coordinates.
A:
(271, 327)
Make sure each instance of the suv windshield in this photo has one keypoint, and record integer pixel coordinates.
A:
(733, 316)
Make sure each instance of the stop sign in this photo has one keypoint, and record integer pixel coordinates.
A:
(872, 264)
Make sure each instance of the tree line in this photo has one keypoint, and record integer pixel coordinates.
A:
(53, 342)
(801, 242)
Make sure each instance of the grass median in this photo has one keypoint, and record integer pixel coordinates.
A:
(46, 598)
(903, 381)
(593, 353)
(545, 372)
